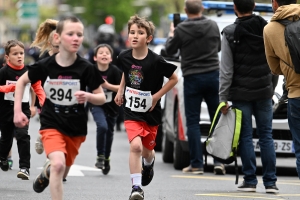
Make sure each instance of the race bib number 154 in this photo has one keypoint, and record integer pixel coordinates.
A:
(138, 100)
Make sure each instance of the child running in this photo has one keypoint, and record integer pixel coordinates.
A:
(141, 89)
(9, 74)
(45, 43)
(106, 115)
(63, 118)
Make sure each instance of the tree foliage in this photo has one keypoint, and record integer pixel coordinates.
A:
(96, 11)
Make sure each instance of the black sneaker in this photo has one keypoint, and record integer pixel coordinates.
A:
(100, 162)
(106, 168)
(23, 174)
(246, 187)
(271, 189)
(42, 180)
(64, 180)
(137, 193)
(4, 164)
(147, 173)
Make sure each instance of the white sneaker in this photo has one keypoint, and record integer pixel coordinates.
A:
(39, 148)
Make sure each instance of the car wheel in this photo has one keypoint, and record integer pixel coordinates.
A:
(181, 158)
(167, 149)
(158, 139)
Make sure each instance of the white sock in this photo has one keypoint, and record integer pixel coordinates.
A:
(148, 163)
(136, 179)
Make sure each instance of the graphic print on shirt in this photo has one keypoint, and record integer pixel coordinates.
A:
(137, 100)
(61, 91)
(11, 95)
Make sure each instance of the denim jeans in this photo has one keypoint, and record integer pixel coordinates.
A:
(105, 130)
(294, 124)
(262, 111)
(196, 88)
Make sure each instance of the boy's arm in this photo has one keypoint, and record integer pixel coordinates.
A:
(20, 118)
(119, 97)
(96, 98)
(168, 86)
(32, 105)
(109, 86)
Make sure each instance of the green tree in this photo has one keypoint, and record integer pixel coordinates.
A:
(96, 11)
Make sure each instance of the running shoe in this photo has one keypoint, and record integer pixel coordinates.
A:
(23, 174)
(137, 193)
(100, 162)
(147, 173)
(106, 168)
(39, 148)
(4, 164)
(42, 180)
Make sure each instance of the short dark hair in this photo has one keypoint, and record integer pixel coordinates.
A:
(193, 6)
(12, 43)
(244, 6)
(103, 45)
(141, 22)
(285, 2)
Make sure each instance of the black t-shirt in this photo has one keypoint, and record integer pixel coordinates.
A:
(144, 75)
(112, 75)
(59, 110)
(7, 106)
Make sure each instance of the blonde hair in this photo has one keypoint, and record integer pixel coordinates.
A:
(44, 35)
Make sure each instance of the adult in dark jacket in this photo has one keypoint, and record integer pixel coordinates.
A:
(198, 39)
(246, 80)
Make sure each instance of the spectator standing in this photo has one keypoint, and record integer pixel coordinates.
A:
(198, 39)
(246, 80)
(279, 59)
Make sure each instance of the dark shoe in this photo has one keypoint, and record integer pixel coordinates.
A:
(137, 193)
(246, 187)
(271, 189)
(147, 173)
(23, 174)
(42, 180)
(64, 180)
(106, 168)
(10, 162)
(219, 169)
(4, 164)
(100, 162)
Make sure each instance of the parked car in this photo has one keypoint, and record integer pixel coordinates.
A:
(174, 138)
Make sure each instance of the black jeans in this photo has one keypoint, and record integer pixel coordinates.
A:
(8, 132)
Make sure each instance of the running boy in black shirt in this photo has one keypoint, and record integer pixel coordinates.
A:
(63, 118)
(141, 89)
(105, 115)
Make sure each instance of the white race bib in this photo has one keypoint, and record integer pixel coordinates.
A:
(61, 91)
(11, 95)
(138, 100)
(108, 96)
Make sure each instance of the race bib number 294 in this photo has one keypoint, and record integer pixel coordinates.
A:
(138, 100)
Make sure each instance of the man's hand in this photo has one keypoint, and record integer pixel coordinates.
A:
(224, 109)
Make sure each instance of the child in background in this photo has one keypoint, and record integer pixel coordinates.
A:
(141, 89)
(105, 115)
(63, 118)
(47, 46)
(9, 74)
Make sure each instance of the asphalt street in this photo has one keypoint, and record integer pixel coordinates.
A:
(85, 182)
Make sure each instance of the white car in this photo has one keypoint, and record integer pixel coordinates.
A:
(174, 135)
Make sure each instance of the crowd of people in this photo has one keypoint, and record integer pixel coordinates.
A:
(63, 85)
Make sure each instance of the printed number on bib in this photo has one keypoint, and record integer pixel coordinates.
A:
(11, 95)
(61, 91)
(137, 100)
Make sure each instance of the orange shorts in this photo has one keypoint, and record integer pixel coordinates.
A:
(53, 140)
(142, 129)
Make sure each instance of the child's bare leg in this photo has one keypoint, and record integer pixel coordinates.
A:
(57, 169)
(136, 147)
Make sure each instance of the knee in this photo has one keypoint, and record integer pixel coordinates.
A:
(136, 147)
(58, 167)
